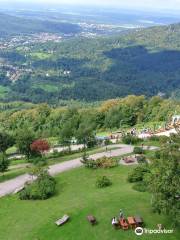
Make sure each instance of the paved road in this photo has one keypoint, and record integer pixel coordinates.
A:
(12, 185)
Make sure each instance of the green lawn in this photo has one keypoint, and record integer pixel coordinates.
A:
(46, 87)
(78, 197)
(40, 55)
(12, 174)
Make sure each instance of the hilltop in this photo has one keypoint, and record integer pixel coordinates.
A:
(12, 25)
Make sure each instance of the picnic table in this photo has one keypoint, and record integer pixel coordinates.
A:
(91, 219)
(138, 220)
(131, 222)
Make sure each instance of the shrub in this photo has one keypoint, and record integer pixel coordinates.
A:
(85, 158)
(104, 162)
(40, 146)
(38, 160)
(138, 150)
(40, 189)
(103, 182)
(154, 138)
(161, 139)
(157, 154)
(129, 139)
(4, 163)
(91, 164)
(138, 173)
(141, 159)
(140, 186)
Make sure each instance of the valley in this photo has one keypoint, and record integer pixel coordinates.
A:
(89, 120)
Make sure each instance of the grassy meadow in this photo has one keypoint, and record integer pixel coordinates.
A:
(78, 196)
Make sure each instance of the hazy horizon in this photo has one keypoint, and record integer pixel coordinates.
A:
(146, 5)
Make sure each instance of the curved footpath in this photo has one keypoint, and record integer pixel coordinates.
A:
(13, 185)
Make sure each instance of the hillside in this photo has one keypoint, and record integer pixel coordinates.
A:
(145, 61)
(11, 25)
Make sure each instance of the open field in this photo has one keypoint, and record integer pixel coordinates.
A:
(78, 196)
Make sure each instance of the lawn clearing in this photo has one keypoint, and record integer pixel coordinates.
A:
(78, 197)
(12, 174)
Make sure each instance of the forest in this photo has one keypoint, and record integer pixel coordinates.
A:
(141, 62)
(120, 113)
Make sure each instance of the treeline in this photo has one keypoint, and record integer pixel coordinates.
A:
(48, 121)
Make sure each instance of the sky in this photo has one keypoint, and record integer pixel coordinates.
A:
(141, 4)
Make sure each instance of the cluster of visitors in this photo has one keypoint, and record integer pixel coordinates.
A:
(115, 221)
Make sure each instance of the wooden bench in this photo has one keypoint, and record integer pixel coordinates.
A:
(62, 220)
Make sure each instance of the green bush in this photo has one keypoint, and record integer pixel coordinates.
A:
(129, 139)
(157, 154)
(138, 150)
(40, 161)
(106, 162)
(161, 139)
(154, 138)
(103, 162)
(103, 182)
(138, 173)
(140, 186)
(40, 189)
(91, 164)
(141, 159)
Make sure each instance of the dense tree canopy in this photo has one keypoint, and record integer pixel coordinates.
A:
(164, 180)
(24, 139)
(6, 141)
(140, 62)
(67, 122)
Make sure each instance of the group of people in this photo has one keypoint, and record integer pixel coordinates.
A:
(115, 221)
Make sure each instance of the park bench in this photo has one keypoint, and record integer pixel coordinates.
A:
(91, 219)
(62, 220)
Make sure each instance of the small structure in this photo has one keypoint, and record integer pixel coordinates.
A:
(62, 220)
(91, 219)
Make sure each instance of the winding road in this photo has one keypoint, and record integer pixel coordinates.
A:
(11, 186)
